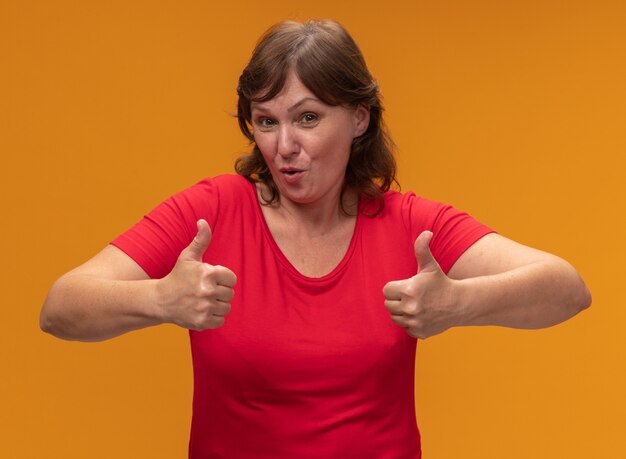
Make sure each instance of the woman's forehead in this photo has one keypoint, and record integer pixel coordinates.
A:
(292, 94)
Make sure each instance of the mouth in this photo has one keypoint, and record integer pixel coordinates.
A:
(292, 175)
(290, 170)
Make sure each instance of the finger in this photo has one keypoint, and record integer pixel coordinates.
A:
(224, 276)
(220, 309)
(399, 320)
(214, 322)
(394, 307)
(392, 290)
(224, 294)
(200, 243)
(425, 259)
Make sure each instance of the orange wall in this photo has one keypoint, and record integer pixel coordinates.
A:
(513, 111)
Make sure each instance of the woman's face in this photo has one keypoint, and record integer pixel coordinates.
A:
(306, 143)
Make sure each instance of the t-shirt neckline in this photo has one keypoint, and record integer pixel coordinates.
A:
(285, 261)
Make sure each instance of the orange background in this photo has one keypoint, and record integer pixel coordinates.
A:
(513, 111)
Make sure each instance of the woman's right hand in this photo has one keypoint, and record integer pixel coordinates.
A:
(196, 295)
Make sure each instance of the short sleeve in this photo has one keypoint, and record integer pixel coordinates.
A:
(155, 242)
(453, 231)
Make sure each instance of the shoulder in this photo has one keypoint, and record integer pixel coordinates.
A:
(224, 182)
(229, 180)
(231, 185)
(233, 198)
(410, 200)
(209, 190)
(453, 230)
(398, 204)
(422, 211)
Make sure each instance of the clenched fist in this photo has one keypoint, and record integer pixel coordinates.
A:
(196, 295)
(425, 304)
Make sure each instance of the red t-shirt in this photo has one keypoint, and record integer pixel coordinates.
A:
(303, 367)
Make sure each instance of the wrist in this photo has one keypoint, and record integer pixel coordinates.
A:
(157, 309)
(464, 305)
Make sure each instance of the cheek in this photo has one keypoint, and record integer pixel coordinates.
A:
(264, 144)
(337, 148)
(329, 145)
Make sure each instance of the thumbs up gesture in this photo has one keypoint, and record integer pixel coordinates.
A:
(194, 294)
(425, 304)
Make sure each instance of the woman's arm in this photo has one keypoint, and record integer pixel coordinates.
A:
(110, 295)
(502, 282)
(495, 282)
(105, 297)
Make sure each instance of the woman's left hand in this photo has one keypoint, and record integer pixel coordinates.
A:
(496, 281)
(425, 304)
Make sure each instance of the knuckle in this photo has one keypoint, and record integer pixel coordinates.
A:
(410, 308)
(206, 290)
(199, 323)
(208, 270)
(196, 325)
(410, 290)
(200, 309)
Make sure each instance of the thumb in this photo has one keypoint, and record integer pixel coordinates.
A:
(425, 259)
(200, 243)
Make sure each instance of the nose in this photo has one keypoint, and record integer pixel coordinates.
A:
(287, 141)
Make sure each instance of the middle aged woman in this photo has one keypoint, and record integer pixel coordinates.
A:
(312, 353)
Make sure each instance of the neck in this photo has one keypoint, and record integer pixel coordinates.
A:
(315, 218)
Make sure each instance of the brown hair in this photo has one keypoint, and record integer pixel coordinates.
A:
(329, 63)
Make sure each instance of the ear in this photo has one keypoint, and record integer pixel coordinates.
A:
(362, 119)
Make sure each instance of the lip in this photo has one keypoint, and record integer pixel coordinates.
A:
(286, 169)
(291, 175)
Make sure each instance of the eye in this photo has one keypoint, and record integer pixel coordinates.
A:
(265, 122)
(309, 118)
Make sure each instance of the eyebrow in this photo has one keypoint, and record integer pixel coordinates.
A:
(290, 109)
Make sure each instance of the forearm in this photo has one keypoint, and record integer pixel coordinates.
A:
(86, 308)
(537, 295)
